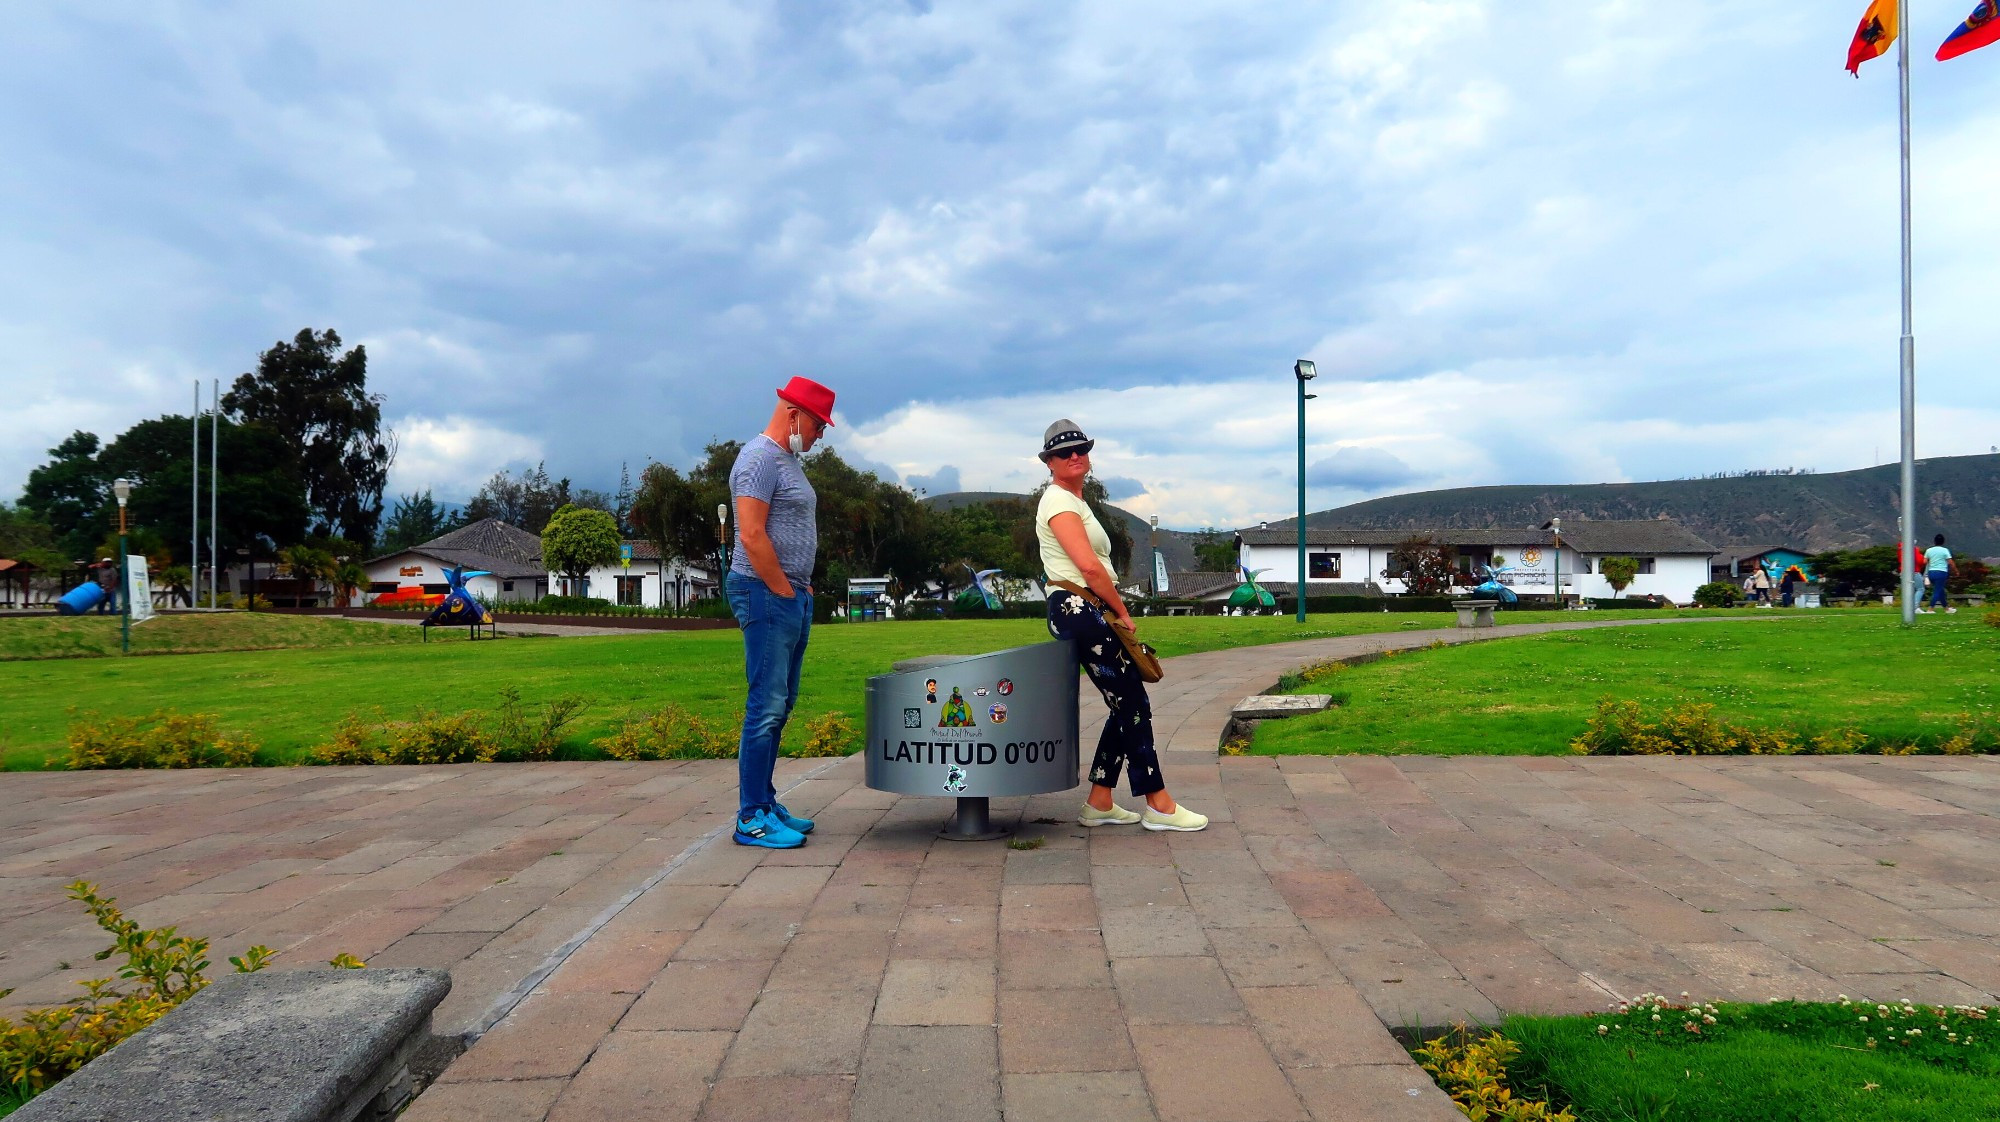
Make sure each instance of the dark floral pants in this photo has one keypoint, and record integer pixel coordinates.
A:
(1128, 727)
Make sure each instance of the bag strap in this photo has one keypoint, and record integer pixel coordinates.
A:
(1073, 587)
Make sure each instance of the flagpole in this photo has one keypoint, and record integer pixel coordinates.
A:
(1908, 342)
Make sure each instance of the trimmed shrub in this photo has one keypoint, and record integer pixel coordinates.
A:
(1621, 728)
(832, 734)
(1718, 594)
(1629, 603)
(672, 733)
(160, 739)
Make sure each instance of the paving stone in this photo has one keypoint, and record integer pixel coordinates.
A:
(802, 1032)
(934, 1073)
(671, 907)
(699, 995)
(549, 1036)
(1047, 907)
(780, 1098)
(957, 885)
(1132, 886)
(936, 991)
(832, 960)
(1150, 932)
(625, 962)
(1247, 902)
(652, 1075)
(1063, 1030)
(1045, 866)
(1273, 956)
(1393, 1092)
(1187, 990)
(748, 933)
(949, 931)
(1213, 1073)
(1053, 960)
(1099, 1096)
(515, 1100)
(1320, 1025)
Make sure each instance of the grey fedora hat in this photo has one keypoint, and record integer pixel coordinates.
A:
(1063, 435)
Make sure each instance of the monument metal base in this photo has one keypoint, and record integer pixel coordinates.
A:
(971, 822)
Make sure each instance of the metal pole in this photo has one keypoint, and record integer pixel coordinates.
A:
(124, 589)
(194, 506)
(1908, 342)
(1301, 598)
(214, 443)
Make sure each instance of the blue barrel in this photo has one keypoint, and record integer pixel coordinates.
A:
(81, 599)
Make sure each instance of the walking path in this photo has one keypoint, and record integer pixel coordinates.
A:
(1242, 973)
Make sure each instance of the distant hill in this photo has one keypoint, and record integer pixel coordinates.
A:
(1958, 496)
(1177, 546)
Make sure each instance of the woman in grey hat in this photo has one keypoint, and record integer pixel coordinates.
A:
(1083, 591)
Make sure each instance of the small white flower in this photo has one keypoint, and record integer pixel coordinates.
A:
(1656, 1016)
(1602, 1029)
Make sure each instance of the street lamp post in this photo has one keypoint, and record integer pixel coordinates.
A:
(251, 559)
(1303, 371)
(1556, 524)
(123, 489)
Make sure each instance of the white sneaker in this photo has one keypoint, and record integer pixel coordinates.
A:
(1923, 611)
(1182, 819)
(1116, 816)
(1952, 611)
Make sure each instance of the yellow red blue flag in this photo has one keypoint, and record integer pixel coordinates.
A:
(1878, 30)
(1979, 29)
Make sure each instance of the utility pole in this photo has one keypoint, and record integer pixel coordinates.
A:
(1304, 371)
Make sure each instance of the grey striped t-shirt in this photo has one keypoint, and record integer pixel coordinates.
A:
(767, 472)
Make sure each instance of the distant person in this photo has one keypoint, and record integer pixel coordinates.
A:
(1760, 585)
(1083, 592)
(770, 592)
(1785, 586)
(1938, 570)
(107, 579)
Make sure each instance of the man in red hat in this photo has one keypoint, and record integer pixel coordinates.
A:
(770, 591)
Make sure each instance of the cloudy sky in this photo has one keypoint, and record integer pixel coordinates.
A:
(1525, 242)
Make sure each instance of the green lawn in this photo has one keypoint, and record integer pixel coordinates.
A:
(1804, 670)
(1770, 1062)
(289, 700)
(94, 636)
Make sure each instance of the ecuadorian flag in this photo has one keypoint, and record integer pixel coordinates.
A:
(1979, 29)
(1873, 37)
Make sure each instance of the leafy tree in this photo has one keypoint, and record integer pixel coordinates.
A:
(23, 537)
(579, 539)
(621, 502)
(867, 525)
(308, 563)
(530, 499)
(347, 580)
(1425, 567)
(417, 518)
(317, 399)
(69, 492)
(1215, 551)
(988, 535)
(1618, 572)
(1718, 594)
(1874, 568)
(677, 512)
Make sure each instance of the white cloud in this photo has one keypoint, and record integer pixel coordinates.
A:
(453, 455)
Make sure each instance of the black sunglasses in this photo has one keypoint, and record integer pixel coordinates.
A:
(1066, 453)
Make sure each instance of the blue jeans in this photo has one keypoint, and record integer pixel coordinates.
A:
(1938, 577)
(775, 631)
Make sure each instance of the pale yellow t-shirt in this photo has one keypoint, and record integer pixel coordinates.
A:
(1056, 563)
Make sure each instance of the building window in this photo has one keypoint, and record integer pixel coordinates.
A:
(438, 589)
(506, 586)
(1645, 566)
(1322, 566)
(381, 586)
(629, 590)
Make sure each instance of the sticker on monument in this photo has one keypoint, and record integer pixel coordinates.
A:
(930, 690)
(1006, 686)
(954, 779)
(913, 718)
(957, 714)
(998, 714)
(979, 692)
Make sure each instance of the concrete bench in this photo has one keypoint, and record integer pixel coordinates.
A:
(274, 1046)
(1475, 613)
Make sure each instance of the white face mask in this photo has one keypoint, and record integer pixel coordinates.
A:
(797, 442)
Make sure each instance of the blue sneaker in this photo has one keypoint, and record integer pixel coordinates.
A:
(765, 829)
(802, 825)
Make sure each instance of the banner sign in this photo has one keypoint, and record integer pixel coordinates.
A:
(138, 588)
(1160, 571)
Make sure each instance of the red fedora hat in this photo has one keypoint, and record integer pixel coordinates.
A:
(811, 397)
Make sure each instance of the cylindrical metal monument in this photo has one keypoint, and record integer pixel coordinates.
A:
(976, 728)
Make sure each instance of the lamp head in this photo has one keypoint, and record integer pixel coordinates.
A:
(1304, 370)
(123, 489)
(1156, 521)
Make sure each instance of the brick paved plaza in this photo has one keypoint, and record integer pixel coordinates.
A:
(647, 968)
